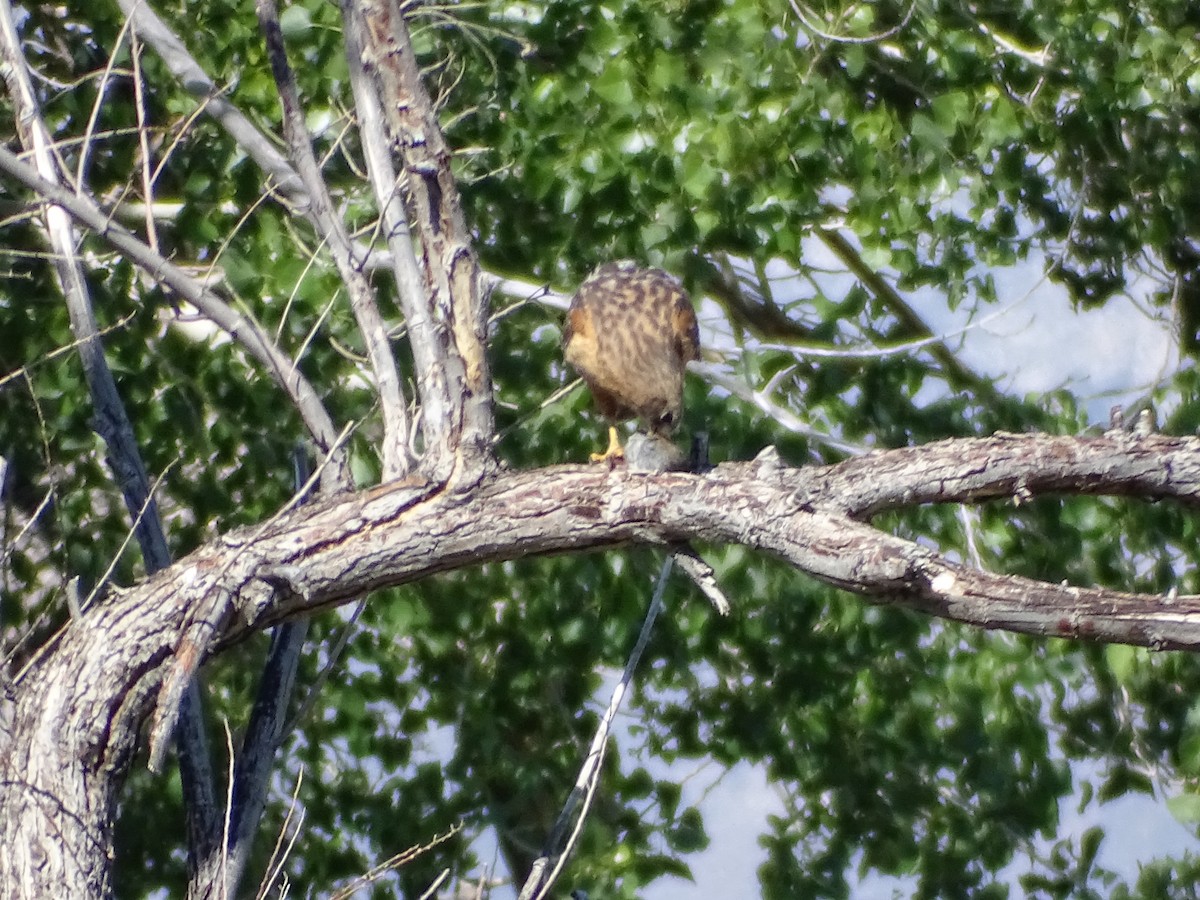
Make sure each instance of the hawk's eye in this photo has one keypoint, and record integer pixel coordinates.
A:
(667, 418)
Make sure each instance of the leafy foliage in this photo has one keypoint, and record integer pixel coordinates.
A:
(949, 140)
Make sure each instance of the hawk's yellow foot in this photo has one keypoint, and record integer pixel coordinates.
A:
(614, 452)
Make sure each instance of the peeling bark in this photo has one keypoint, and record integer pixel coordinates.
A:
(81, 704)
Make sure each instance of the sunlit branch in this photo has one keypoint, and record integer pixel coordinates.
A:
(415, 300)
(448, 261)
(396, 461)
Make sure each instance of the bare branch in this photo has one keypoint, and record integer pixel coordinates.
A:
(289, 831)
(807, 17)
(801, 514)
(1018, 466)
(762, 318)
(337, 549)
(110, 419)
(527, 291)
(415, 300)
(559, 843)
(220, 871)
(243, 329)
(403, 858)
(762, 399)
(396, 459)
(440, 371)
(197, 82)
(461, 440)
(702, 575)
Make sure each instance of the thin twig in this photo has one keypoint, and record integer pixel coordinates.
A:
(538, 884)
(396, 462)
(291, 832)
(139, 516)
(139, 100)
(224, 894)
(403, 858)
(958, 375)
(97, 104)
(434, 885)
(779, 413)
(804, 16)
(245, 330)
(334, 657)
(197, 82)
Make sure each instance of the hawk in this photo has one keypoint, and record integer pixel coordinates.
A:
(630, 333)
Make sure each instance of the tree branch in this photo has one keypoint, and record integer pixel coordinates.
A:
(306, 189)
(241, 328)
(460, 439)
(415, 301)
(1017, 466)
(111, 422)
(958, 375)
(219, 873)
(762, 318)
(196, 81)
(395, 444)
(559, 842)
(81, 705)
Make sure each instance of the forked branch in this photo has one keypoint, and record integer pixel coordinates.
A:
(455, 380)
(395, 445)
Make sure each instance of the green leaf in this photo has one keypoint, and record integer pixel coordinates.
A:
(1122, 660)
(1185, 808)
(688, 835)
(295, 22)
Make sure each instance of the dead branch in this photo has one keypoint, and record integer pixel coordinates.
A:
(110, 418)
(395, 445)
(80, 706)
(241, 328)
(459, 433)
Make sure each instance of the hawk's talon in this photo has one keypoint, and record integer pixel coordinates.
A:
(614, 452)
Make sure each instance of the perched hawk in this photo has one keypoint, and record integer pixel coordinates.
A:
(629, 333)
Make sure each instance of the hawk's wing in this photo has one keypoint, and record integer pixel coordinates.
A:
(685, 329)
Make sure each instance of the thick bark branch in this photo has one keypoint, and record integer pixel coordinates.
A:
(458, 434)
(110, 420)
(80, 707)
(414, 299)
(218, 867)
(1017, 466)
